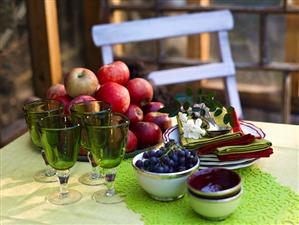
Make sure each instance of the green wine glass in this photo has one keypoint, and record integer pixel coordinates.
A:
(78, 112)
(107, 146)
(33, 112)
(60, 137)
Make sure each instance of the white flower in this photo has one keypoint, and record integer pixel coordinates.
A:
(183, 117)
(192, 129)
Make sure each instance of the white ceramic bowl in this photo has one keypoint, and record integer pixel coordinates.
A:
(163, 186)
(214, 209)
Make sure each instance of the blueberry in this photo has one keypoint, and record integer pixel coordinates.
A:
(187, 153)
(171, 163)
(152, 154)
(146, 164)
(159, 153)
(145, 155)
(165, 159)
(180, 153)
(159, 169)
(171, 170)
(139, 163)
(174, 157)
(182, 160)
(166, 169)
(154, 160)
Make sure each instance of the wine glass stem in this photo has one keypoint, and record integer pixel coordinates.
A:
(63, 176)
(109, 181)
(95, 173)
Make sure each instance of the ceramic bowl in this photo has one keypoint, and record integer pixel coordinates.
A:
(163, 186)
(214, 209)
(214, 183)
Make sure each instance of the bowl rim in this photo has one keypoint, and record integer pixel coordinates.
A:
(163, 175)
(233, 189)
(215, 200)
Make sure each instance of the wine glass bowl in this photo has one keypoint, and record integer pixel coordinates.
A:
(60, 137)
(79, 111)
(34, 111)
(107, 145)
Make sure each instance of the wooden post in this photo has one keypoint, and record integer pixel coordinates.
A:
(117, 17)
(91, 16)
(292, 46)
(44, 44)
(199, 46)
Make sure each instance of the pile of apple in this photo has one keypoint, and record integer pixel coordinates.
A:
(132, 97)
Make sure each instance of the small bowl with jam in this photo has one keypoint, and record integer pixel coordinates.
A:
(214, 193)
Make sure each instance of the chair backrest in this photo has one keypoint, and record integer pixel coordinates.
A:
(106, 35)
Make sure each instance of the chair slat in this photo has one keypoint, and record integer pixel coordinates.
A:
(163, 27)
(191, 73)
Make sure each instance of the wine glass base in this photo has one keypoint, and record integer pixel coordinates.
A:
(41, 177)
(87, 180)
(72, 197)
(101, 197)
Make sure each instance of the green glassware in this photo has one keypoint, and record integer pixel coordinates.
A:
(60, 137)
(34, 112)
(80, 111)
(108, 143)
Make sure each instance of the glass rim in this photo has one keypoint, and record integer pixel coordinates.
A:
(126, 122)
(35, 102)
(108, 107)
(73, 126)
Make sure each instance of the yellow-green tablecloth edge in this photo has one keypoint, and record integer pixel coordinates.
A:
(264, 201)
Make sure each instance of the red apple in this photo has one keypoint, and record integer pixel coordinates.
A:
(141, 91)
(152, 107)
(134, 114)
(117, 72)
(65, 99)
(132, 142)
(80, 81)
(56, 90)
(81, 98)
(161, 119)
(147, 133)
(115, 94)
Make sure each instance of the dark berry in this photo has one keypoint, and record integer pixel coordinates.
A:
(146, 164)
(159, 153)
(181, 168)
(152, 154)
(145, 155)
(139, 163)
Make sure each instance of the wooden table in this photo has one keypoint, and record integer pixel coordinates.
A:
(23, 200)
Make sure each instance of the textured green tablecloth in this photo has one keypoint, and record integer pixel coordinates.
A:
(264, 201)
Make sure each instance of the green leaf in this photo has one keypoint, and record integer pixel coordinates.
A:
(189, 92)
(186, 105)
(226, 118)
(218, 112)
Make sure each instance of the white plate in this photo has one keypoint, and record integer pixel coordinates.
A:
(211, 160)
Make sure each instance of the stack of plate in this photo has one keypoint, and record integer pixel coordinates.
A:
(211, 160)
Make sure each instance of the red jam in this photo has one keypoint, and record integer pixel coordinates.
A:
(214, 180)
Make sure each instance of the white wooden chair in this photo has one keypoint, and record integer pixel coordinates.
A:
(106, 35)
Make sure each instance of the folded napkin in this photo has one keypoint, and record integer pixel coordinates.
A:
(256, 146)
(192, 144)
(263, 153)
(238, 140)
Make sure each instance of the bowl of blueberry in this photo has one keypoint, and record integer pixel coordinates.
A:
(163, 172)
